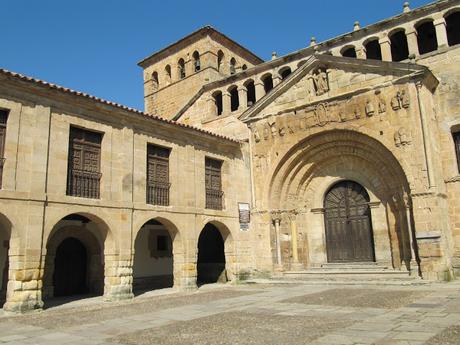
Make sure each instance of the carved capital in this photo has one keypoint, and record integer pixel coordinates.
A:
(276, 216)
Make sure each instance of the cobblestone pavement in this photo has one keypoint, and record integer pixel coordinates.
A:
(427, 314)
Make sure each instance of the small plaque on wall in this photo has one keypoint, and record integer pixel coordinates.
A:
(244, 215)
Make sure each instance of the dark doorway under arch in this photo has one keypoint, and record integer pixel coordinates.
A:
(211, 256)
(70, 268)
(4, 264)
(348, 223)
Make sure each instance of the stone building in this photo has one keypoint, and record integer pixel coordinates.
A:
(345, 152)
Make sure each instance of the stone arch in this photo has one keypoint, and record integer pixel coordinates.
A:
(220, 60)
(218, 102)
(196, 61)
(5, 244)
(452, 18)
(93, 233)
(426, 36)
(303, 175)
(373, 49)
(284, 72)
(399, 45)
(348, 51)
(267, 80)
(250, 92)
(234, 98)
(226, 269)
(177, 249)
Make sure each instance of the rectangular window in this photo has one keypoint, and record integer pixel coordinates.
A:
(158, 175)
(213, 183)
(84, 172)
(3, 120)
(457, 148)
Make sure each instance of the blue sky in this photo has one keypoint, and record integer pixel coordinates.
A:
(94, 45)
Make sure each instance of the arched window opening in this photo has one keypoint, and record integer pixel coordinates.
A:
(244, 67)
(155, 83)
(181, 66)
(251, 93)
(399, 47)
(196, 61)
(168, 73)
(268, 83)
(234, 99)
(349, 52)
(218, 102)
(285, 72)
(453, 28)
(220, 60)
(426, 38)
(373, 51)
(232, 66)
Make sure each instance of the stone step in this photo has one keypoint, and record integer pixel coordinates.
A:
(354, 265)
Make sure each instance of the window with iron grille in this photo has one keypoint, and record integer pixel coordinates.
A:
(84, 172)
(3, 120)
(158, 175)
(457, 148)
(213, 182)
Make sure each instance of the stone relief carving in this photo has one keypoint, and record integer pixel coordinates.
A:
(320, 81)
(321, 114)
(255, 132)
(370, 110)
(401, 100)
(402, 137)
(382, 106)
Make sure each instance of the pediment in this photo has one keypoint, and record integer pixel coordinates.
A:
(324, 78)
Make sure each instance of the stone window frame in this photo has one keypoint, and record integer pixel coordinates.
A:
(4, 115)
(456, 140)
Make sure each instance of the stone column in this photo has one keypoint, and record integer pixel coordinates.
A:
(276, 218)
(243, 98)
(441, 32)
(260, 90)
(385, 47)
(226, 103)
(412, 43)
(276, 80)
(211, 105)
(413, 265)
(294, 246)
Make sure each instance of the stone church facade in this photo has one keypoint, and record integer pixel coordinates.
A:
(344, 152)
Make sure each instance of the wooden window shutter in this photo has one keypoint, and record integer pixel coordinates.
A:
(158, 175)
(84, 163)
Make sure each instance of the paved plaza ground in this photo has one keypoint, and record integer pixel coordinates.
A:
(263, 313)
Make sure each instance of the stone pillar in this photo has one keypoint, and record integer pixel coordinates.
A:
(360, 52)
(211, 105)
(276, 218)
(412, 43)
(24, 290)
(118, 282)
(294, 246)
(260, 90)
(276, 80)
(243, 98)
(385, 47)
(441, 32)
(226, 103)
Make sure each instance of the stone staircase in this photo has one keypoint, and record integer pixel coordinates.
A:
(351, 273)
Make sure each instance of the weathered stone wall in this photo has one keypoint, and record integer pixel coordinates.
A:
(34, 199)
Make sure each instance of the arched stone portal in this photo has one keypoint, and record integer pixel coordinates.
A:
(211, 256)
(74, 262)
(301, 180)
(348, 223)
(153, 257)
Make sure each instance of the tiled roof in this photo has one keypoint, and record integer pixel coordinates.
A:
(113, 104)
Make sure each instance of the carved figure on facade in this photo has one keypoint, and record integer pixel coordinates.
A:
(382, 106)
(320, 81)
(272, 123)
(321, 114)
(255, 132)
(402, 137)
(370, 110)
(401, 100)
(266, 131)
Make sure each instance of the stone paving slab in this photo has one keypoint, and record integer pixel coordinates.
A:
(262, 314)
